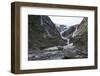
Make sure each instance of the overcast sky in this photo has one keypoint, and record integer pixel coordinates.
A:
(66, 20)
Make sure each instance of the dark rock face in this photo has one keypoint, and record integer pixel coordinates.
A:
(61, 28)
(69, 31)
(42, 33)
(80, 38)
(81, 35)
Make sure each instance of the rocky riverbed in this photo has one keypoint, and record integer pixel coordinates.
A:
(66, 52)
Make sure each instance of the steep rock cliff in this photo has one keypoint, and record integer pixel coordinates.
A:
(42, 33)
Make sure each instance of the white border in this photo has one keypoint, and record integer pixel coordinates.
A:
(25, 64)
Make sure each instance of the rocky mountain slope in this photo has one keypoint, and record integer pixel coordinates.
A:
(81, 34)
(80, 37)
(42, 33)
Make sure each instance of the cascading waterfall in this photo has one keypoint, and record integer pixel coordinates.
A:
(74, 33)
(64, 38)
(68, 41)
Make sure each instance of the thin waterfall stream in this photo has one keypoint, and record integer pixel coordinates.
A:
(65, 38)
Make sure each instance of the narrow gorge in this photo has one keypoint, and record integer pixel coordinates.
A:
(46, 41)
